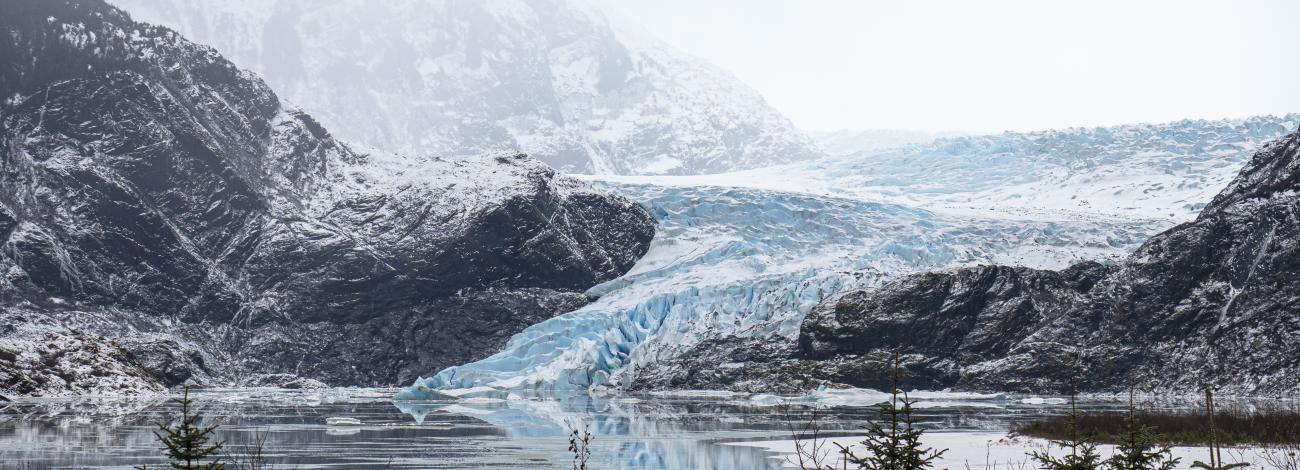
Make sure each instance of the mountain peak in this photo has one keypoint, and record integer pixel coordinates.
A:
(1274, 169)
(557, 80)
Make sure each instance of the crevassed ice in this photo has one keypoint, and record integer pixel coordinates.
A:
(1143, 171)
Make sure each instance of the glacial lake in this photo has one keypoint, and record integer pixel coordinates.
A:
(632, 431)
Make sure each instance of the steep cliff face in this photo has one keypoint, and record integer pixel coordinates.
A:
(1215, 301)
(557, 79)
(145, 180)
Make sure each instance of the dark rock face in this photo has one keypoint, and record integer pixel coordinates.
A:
(401, 345)
(1212, 302)
(146, 181)
(944, 314)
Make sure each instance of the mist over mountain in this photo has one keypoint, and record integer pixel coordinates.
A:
(556, 79)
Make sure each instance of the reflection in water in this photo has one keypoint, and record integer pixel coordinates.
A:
(632, 432)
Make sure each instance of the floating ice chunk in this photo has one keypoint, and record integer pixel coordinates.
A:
(420, 392)
(766, 399)
(1043, 401)
(418, 410)
(341, 421)
(845, 397)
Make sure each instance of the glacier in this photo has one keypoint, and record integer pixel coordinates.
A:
(749, 253)
(740, 261)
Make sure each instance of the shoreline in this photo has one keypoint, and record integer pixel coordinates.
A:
(988, 450)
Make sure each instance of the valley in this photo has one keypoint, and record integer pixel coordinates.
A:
(446, 234)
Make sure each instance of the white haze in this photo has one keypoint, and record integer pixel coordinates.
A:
(993, 66)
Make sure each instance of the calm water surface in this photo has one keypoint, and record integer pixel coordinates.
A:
(632, 431)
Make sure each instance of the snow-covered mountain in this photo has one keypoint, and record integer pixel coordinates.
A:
(744, 256)
(154, 198)
(556, 79)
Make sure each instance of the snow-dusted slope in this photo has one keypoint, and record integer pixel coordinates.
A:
(748, 254)
(553, 78)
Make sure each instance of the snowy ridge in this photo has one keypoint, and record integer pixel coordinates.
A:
(555, 79)
(449, 190)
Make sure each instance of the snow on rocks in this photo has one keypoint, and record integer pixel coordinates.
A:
(51, 362)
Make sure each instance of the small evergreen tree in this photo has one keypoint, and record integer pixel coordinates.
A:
(186, 445)
(895, 444)
(1216, 453)
(1137, 449)
(1083, 453)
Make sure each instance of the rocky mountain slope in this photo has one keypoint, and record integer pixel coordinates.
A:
(156, 196)
(557, 79)
(1212, 302)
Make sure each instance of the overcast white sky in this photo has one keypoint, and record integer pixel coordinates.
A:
(994, 65)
